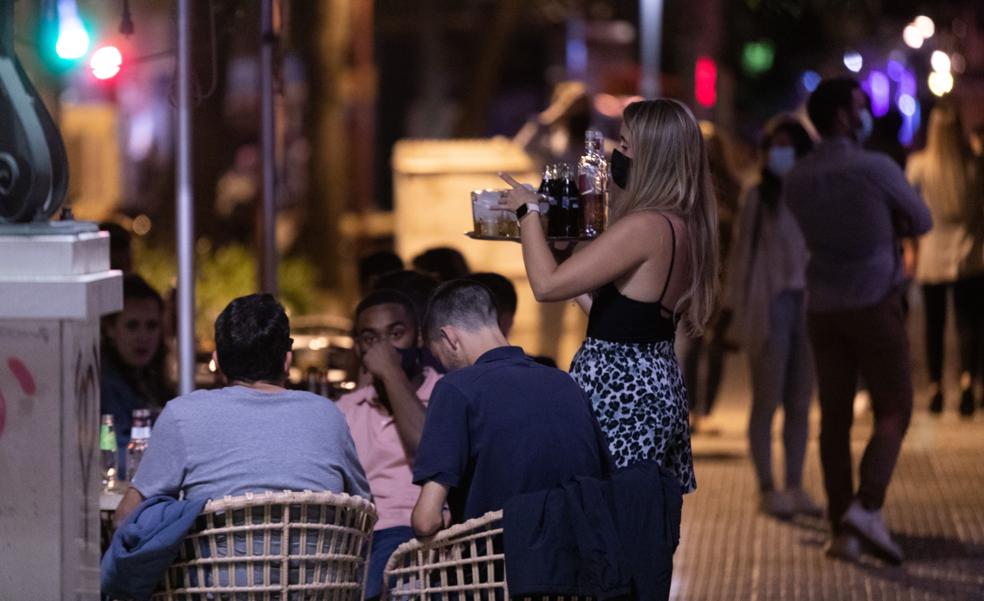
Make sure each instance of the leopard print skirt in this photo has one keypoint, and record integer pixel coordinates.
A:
(640, 400)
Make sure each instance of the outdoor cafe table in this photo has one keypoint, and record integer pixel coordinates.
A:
(108, 502)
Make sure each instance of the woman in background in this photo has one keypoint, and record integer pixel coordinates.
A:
(133, 375)
(951, 255)
(766, 284)
(703, 356)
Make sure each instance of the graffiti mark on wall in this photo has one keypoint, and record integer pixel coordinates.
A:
(23, 375)
(25, 379)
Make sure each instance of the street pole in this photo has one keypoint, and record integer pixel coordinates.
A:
(268, 220)
(185, 206)
(650, 45)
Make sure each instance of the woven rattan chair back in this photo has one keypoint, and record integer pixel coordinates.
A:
(274, 547)
(463, 563)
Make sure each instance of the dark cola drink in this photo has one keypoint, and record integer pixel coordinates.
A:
(557, 215)
(548, 202)
(571, 203)
(544, 190)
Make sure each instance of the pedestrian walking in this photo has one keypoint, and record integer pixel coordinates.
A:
(766, 292)
(853, 206)
(950, 261)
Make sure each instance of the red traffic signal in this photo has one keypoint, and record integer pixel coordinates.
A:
(106, 62)
(705, 81)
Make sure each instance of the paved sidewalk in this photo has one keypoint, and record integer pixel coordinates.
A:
(935, 507)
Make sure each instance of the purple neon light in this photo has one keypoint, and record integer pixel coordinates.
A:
(907, 83)
(910, 122)
(878, 89)
(895, 70)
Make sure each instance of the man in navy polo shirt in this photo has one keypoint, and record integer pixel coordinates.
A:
(499, 424)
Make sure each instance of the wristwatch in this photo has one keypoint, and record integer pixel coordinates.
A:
(524, 210)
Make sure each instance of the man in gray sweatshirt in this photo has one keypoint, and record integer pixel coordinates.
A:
(854, 206)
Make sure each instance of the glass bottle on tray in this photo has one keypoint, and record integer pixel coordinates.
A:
(557, 215)
(592, 180)
(571, 203)
(546, 193)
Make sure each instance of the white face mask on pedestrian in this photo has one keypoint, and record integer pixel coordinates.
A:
(781, 160)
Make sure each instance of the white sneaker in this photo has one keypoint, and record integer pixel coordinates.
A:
(777, 504)
(803, 503)
(870, 526)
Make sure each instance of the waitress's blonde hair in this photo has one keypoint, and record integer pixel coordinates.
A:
(670, 174)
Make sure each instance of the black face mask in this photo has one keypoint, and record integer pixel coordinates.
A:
(620, 169)
(410, 361)
(427, 359)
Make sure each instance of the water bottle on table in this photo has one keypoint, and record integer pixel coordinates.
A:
(108, 451)
(139, 437)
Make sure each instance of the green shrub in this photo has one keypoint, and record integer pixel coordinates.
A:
(223, 274)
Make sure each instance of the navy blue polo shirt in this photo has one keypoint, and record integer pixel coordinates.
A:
(504, 426)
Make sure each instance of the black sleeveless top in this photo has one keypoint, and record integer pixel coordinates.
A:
(615, 317)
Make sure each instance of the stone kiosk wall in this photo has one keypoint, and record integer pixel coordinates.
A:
(53, 291)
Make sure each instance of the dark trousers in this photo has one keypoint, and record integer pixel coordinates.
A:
(384, 542)
(968, 303)
(871, 343)
(706, 352)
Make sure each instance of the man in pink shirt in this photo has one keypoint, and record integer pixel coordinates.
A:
(386, 416)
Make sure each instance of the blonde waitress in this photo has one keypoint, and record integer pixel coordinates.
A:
(654, 267)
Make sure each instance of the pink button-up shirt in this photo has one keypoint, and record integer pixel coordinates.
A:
(381, 453)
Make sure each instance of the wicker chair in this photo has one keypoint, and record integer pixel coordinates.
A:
(274, 546)
(463, 563)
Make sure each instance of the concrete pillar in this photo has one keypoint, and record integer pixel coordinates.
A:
(55, 285)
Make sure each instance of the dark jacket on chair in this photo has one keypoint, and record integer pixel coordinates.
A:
(606, 539)
(145, 545)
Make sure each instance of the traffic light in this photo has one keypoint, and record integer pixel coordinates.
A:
(73, 39)
(757, 57)
(106, 62)
(68, 41)
(705, 81)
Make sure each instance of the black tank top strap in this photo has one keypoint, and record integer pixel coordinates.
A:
(669, 272)
(617, 318)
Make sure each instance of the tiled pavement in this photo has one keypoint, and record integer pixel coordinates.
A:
(935, 507)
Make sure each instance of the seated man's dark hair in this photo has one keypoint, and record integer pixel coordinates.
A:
(417, 286)
(461, 303)
(252, 339)
(135, 287)
(120, 246)
(501, 288)
(377, 264)
(386, 296)
(443, 262)
(829, 97)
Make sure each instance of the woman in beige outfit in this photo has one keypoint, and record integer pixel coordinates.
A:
(951, 255)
